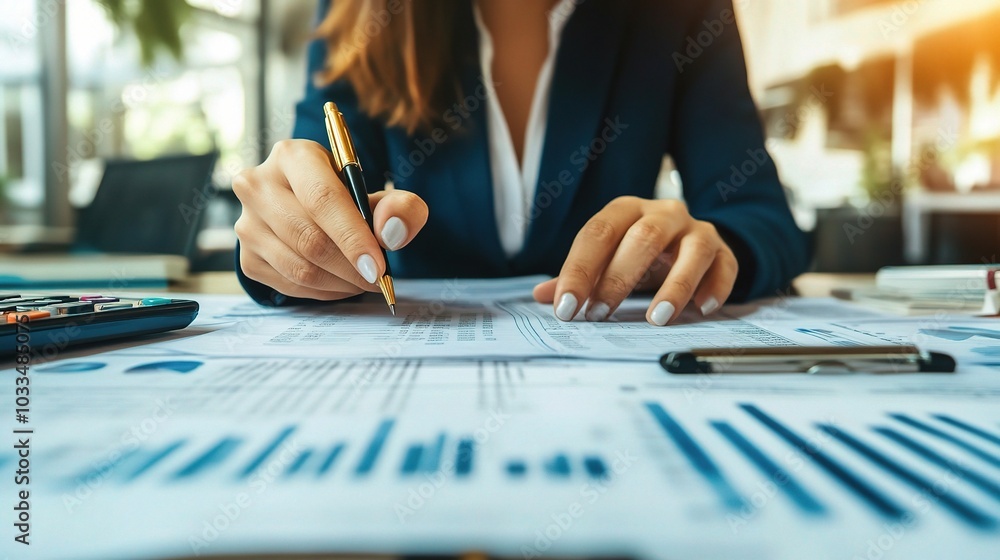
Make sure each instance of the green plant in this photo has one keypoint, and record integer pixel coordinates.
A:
(156, 24)
(876, 171)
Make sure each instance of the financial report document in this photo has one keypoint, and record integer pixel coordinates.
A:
(194, 457)
(475, 421)
(498, 319)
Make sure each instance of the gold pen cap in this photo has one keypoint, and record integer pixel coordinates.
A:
(340, 138)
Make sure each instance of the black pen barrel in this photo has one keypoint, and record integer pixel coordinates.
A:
(354, 180)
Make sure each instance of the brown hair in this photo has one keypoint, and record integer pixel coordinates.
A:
(399, 55)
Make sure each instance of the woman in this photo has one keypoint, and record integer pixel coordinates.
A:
(525, 137)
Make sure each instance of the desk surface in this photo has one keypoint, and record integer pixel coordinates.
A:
(808, 285)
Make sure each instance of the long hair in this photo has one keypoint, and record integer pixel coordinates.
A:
(399, 56)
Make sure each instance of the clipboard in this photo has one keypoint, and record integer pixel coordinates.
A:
(810, 360)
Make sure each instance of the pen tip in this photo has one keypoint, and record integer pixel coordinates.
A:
(392, 307)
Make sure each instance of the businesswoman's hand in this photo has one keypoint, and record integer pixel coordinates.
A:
(301, 234)
(637, 244)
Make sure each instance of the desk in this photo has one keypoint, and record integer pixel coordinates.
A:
(570, 421)
(807, 285)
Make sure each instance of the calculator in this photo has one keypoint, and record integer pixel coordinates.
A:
(45, 325)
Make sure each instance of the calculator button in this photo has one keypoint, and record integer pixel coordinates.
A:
(75, 308)
(31, 316)
(36, 304)
(99, 299)
(112, 306)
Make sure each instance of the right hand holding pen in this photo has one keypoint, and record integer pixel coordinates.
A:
(301, 234)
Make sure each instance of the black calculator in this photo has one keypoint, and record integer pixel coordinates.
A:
(45, 325)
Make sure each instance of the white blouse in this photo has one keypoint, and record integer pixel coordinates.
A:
(513, 185)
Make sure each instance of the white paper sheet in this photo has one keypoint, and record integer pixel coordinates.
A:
(241, 454)
(226, 443)
(498, 319)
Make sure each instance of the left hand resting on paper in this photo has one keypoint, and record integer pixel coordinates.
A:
(635, 244)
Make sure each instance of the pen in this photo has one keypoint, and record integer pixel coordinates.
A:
(345, 159)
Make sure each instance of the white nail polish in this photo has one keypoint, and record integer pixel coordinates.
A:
(597, 312)
(710, 306)
(366, 266)
(566, 309)
(394, 233)
(662, 313)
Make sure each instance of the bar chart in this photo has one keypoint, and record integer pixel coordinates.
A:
(378, 454)
(918, 453)
(800, 467)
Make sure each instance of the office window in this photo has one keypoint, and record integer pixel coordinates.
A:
(119, 107)
(21, 142)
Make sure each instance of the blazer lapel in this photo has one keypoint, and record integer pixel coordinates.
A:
(585, 67)
(471, 177)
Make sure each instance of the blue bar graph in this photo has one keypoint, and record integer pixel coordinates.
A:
(970, 514)
(411, 461)
(976, 431)
(558, 466)
(431, 460)
(853, 482)
(969, 475)
(779, 476)
(153, 459)
(330, 459)
(217, 454)
(463, 457)
(595, 467)
(945, 436)
(259, 460)
(517, 468)
(697, 457)
(299, 462)
(103, 469)
(370, 456)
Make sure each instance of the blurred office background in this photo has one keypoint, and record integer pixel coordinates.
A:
(883, 115)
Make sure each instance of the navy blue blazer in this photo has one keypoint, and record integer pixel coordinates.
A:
(634, 80)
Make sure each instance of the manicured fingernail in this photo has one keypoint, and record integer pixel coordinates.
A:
(711, 304)
(366, 266)
(566, 308)
(394, 233)
(597, 312)
(662, 313)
